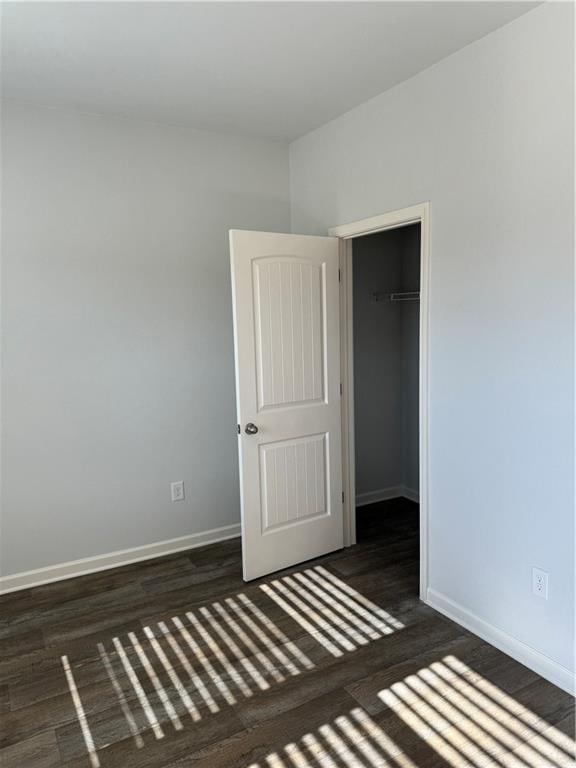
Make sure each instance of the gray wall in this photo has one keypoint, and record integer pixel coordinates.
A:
(487, 137)
(117, 327)
(386, 361)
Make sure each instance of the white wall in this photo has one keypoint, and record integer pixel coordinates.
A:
(487, 137)
(117, 327)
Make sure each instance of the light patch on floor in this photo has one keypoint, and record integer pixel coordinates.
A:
(471, 722)
(189, 664)
(352, 739)
(86, 733)
(178, 670)
(339, 617)
(124, 705)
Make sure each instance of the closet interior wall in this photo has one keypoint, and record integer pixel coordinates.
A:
(386, 364)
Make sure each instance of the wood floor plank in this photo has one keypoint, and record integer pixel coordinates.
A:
(546, 701)
(14, 642)
(4, 699)
(51, 712)
(39, 751)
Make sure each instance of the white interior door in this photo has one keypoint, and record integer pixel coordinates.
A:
(286, 333)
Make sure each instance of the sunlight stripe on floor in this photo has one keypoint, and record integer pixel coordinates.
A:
(231, 643)
(183, 659)
(260, 633)
(315, 610)
(378, 625)
(142, 698)
(354, 736)
(300, 617)
(381, 739)
(296, 756)
(374, 611)
(80, 714)
(275, 761)
(339, 747)
(480, 717)
(331, 609)
(336, 615)
(174, 679)
(436, 730)
(505, 711)
(158, 687)
(244, 638)
(200, 655)
(352, 740)
(220, 655)
(509, 704)
(124, 706)
(277, 632)
(357, 612)
(463, 716)
(318, 752)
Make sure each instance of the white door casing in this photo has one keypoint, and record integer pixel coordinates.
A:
(287, 352)
(419, 213)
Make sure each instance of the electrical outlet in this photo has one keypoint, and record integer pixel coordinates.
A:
(540, 583)
(177, 490)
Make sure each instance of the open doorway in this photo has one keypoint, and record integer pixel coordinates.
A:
(386, 328)
(384, 351)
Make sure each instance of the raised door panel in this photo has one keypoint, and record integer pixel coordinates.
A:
(289, 332)
(294, 481)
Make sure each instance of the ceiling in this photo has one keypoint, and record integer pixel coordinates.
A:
(275, 69)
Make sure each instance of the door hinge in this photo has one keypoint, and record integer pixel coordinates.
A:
(339, 275)
(340, 389)
(342, 497)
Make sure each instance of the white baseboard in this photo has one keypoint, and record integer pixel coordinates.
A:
(538, 662)
(384, 494)
(74, 568)
(411, 495)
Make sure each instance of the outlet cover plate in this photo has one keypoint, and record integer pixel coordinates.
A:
(177, 490)
(540, 583)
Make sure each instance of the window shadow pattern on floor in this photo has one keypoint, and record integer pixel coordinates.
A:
(466, 720)
(338, 616)
(177, 671)
(470, 721)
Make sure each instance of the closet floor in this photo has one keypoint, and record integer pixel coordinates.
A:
(334, 664)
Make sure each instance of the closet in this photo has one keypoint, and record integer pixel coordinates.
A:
(386, 286)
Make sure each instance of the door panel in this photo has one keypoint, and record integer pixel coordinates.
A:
(288, 302)
(293, 474)
(286, 332)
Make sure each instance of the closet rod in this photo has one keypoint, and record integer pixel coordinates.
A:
(405, 296)
(378, 296)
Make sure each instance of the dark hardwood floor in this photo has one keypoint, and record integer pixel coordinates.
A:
(335, 664)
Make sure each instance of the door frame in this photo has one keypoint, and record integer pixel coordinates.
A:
(346, 233)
